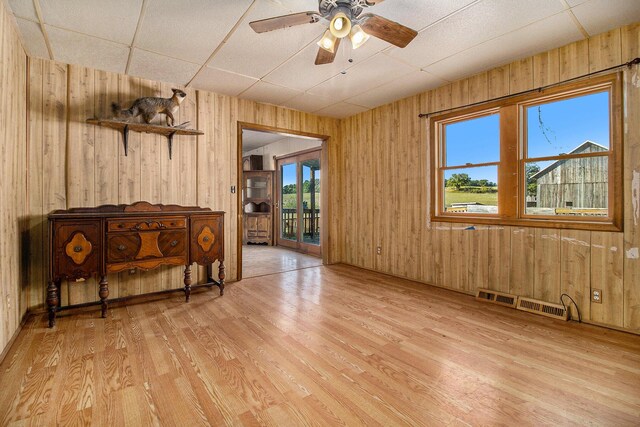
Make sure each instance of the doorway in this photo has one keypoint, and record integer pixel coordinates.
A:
(298, 201)
(297, 230)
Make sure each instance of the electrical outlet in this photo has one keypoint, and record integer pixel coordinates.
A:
(379, 250)
(596, 295)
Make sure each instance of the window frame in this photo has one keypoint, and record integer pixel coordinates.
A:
(511, 166)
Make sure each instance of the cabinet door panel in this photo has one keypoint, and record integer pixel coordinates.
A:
(76, 249)
(207, 238)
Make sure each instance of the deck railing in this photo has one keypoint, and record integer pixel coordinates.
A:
(310, 220)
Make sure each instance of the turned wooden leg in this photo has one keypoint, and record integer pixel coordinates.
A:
(221, 277)
(104, 293)
(187, 282)
(52, 301)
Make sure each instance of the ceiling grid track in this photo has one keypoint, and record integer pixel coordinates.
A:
(222, 43)
(143, 9)
(36, 5)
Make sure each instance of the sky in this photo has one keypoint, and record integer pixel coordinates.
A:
(289, 173)
(553, 128)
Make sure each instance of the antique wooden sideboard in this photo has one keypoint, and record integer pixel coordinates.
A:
(84, 242)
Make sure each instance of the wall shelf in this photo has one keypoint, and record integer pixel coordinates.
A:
(125, 127)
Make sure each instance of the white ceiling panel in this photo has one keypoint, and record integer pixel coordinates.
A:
(266, 92)
(224, 82)
(252, 139)
(411, 84)
(76, 48)
(157, 67)
(309, 103)
(551, 32)
(188, 29)
(374, 72)
(417, 14)
(113, 20)
(476, 24)
(267, 50)
(23, 9)
(341, 109)
(598, 16)
(33, 38)
(308, 75)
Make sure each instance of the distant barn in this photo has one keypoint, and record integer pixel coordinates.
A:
(574, 183)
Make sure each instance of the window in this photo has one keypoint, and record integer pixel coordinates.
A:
(547, 159)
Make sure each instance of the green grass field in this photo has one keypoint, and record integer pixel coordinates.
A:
(453, 196)
(289, 200)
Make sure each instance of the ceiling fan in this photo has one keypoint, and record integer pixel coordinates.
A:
(346, 18)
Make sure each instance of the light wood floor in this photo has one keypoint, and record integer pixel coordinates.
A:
(261, 260)
(328, 345)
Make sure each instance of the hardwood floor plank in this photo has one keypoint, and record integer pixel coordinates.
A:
(332, 345)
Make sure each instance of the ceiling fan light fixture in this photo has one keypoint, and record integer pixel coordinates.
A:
(340, 25)
(358, 36)
(328, 42)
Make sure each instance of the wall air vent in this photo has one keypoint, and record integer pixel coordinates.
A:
(496, 297)
(543, 308)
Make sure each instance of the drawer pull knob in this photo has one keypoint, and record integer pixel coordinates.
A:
(121, 247)
(174, 243)
(77, 249)
(205, 239)
(120, 225)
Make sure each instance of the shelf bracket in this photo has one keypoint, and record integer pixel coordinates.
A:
(125, 139)
(170, 141)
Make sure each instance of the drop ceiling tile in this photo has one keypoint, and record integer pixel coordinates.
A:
(113, 20)
(341, 110)
(481, 22)
(300, 72)
(309, 103)
(411, 84)
(157, 67)
(374, 72)
(23, 9)
(76, 48)
(189, 29)
(266, 50)
(417, 14)
(268, 93)
(598, 16)
(224, 82)
(552, 32)
(33, 38)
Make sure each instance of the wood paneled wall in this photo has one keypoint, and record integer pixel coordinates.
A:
(73, 164)
(13, 118)
(386, 188)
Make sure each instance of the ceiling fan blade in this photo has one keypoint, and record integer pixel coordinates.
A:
(387, 30)
(285, 21)
(373, 2)
(326, 57)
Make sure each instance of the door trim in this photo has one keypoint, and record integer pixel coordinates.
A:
(324, 195)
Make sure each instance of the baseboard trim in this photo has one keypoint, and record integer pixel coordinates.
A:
(7, 348)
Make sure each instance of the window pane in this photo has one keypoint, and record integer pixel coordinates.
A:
(311, 201)
(473, 141)
(471, 190)
(572, 187)
(574, 125)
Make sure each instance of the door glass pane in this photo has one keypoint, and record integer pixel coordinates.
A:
(471, 190)
(289, 202)
(568, 187)
(311, 201)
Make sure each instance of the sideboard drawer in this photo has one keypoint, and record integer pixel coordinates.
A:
(144, 245)
(139, 224)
